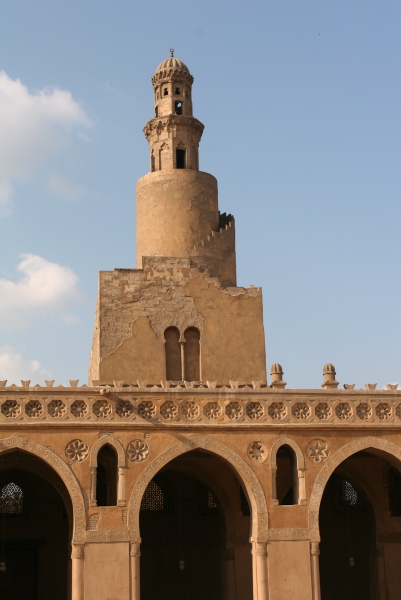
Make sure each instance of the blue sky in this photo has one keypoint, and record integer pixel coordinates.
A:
(300, 101)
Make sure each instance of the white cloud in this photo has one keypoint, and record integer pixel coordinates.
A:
(34, 126)
(14, 368)
(43, 287)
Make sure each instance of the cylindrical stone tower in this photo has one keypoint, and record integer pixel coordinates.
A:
(176, 204)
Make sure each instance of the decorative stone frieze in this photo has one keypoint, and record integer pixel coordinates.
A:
(124, 409)
(190, 410)
(102, 409)
(254, 410)
(34, 409)
(257, 452)
(11, 409)
(343, 411)
(234, 410)
(56, 408)
(146, 409)
(212, 410)
(301, 411)
(277, 410)
(169, 410)
(323, 411)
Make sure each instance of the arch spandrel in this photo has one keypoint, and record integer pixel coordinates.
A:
(392, 451)
(52, 459)
(242, 470)
(285, 441)
(111, 440)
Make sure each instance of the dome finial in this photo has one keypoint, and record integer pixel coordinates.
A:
(172, 52)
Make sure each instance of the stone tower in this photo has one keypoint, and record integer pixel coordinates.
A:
(179, 315)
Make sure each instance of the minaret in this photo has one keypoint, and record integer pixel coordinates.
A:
(179, 315)
(176, 204)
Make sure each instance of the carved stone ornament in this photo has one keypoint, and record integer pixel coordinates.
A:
(190, 410)
(212, 410)
(398, 411)
(137, 451)
(124, 409)
(34, 408)
(301, 411)
(323, 411)
(343, 411)
(56, 409)
(102, 409)
(77, 450)
(146, 409)
(317, 451)
(233, 410)
(168, 410)
(254, 410)
(11, 409)
(79, 408)
(257, 452)
(364, 411)
(277, 410)
(383, 411)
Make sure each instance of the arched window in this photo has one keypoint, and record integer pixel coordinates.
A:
(11, 500)
(106, 480)
(192, 354)
(173, 354)
(286, 476)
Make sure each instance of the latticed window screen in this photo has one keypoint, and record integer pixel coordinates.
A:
(153, 498)
(211, 502)
(11, 499)
(348, 494)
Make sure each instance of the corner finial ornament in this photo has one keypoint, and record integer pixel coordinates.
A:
(172, 52)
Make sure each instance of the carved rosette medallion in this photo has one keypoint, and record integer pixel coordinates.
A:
(168, 410)
(102, 409)
(137, 451)
(383, 411)
(56, 409)
(76, 450)
(212, 410)
(124, 409)
(146, 409)
(301, 411)
(190, 410)
(317, 451)
(34, 409)
(343, 411)
(254, 410)
(277, 410)
(79, 408)
(11, 409)
(363, 411)
(323, 411)
(398, 411)
(233, 410)
(257, 452)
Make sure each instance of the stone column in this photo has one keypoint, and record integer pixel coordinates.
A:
(315, 551)
(121, 487)
(274, 486)
(259, 565)
(77, 572)
(301, 487)
(92, 499)
(135, 565)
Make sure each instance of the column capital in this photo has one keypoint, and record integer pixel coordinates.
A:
(135, 549)
(77, 550)
(315, 548)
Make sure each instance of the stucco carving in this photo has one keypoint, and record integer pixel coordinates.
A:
(77, 450)
(244, 472)
(107, 438)
(317, 451)
(333, 462)
(137, 451)
(62, 469)
(254, 410)
(257, 452)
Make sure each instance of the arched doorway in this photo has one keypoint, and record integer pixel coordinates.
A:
(35, 515)
(194, 525)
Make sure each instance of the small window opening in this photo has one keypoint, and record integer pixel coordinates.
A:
(156, 111)
(180, 159)
(153, 498)
(11, 500)
(192, 354)
(152, 163)
(177, 91)
(173, 354)
(106, 480)
(286, 476)
(178, 108)
(165, 92)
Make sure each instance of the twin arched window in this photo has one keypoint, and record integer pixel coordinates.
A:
(182, 355)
